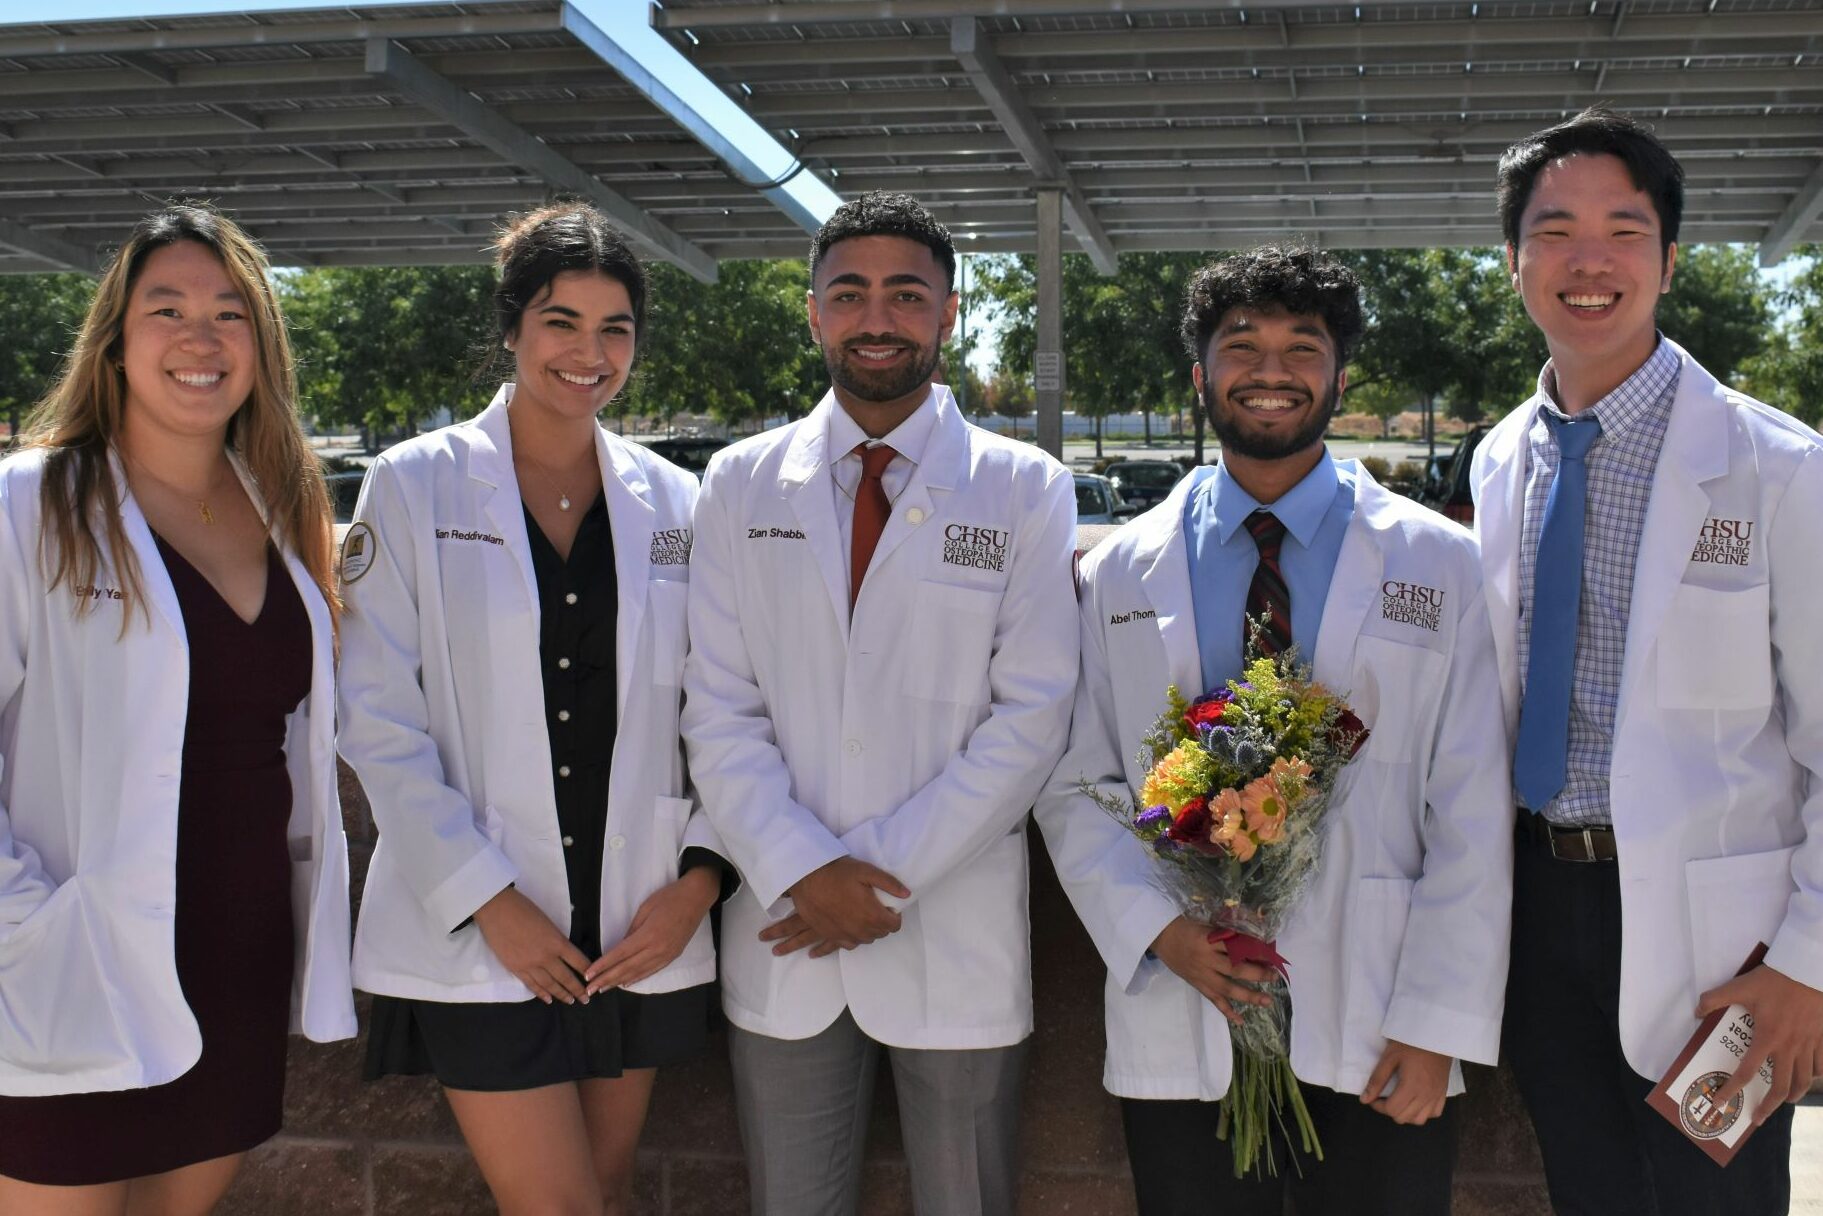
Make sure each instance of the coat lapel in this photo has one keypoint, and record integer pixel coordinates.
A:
(631, 518)
(154, 579)
(1695, 452)
(804, 481)
(1353, 586)
(490, 462)
(1164, 565)
(1499, 518)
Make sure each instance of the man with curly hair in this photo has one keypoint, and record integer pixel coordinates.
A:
(1397, 949)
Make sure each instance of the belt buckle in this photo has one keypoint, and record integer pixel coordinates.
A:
(1588, 845)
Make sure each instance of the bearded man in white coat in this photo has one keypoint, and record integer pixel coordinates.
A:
(1396, 952)
(883, 651)
(1653, 543)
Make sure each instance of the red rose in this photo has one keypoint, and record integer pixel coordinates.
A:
(1208, 710)
(1191, 824)
(1349, 730)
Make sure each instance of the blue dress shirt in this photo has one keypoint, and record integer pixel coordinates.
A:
(1222, 556)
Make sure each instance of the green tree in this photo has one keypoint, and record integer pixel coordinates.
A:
(385, 347)
(738, 350)
(1788, 371)
(39, 317)
(1718, 309)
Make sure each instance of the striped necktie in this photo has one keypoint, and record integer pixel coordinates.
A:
(1268, 624)
(871, 511)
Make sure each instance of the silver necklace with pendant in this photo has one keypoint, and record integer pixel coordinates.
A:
(563, 499)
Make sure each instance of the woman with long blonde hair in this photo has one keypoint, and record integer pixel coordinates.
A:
(173, 874)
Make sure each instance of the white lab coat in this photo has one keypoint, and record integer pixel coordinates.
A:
(1403, 931)
(91, 755)
(1718, 737)
(914, 739)
(443, 713)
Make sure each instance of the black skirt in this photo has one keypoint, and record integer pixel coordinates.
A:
(497, 1046)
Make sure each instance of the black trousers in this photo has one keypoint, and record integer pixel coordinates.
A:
(1607, 1153)
(1371, 1166)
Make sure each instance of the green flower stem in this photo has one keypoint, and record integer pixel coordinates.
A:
(1259, 1094)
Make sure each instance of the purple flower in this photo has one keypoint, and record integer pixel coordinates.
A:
(1153, 818)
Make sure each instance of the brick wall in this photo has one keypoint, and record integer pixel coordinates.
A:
(391, 1148)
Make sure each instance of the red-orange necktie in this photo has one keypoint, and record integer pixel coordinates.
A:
(871, 509)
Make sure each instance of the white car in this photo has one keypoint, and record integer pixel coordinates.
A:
(1098, 502)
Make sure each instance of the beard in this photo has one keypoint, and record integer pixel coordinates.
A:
(1255, 445)
(883, 384)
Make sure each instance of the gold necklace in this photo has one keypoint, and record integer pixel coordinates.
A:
(202, 504)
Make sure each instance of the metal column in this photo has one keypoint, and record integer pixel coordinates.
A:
(1047, 370)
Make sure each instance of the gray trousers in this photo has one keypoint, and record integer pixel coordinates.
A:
(803, 1107)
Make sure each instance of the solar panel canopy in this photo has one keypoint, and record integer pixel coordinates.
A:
(401, 134)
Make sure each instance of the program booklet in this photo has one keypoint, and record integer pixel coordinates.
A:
(1686, 1094)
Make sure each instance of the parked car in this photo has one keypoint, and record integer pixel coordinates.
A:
(690, 452)
(1448, 490)
(1098, 502)
(1144, 483)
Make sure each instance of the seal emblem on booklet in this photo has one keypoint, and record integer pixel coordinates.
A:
(1686, 1093)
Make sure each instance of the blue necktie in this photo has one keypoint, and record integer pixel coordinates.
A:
(1544, 714)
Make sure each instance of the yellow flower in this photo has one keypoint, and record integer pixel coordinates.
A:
(1184, 773)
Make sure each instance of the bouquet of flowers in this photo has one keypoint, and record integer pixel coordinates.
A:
(1236, 792)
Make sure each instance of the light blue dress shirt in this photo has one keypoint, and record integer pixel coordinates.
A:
(1223, 556)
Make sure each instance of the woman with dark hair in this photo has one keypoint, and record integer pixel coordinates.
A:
(534, 923)
(173, 875)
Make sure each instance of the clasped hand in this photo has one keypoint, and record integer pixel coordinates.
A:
(544, 959)
(837, 909)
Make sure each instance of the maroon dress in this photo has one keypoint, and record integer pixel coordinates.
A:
(233, 921)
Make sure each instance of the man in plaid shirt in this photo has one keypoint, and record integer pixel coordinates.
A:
(1653, 545)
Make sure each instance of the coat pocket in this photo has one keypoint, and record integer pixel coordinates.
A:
(949, 643)
(1715, 649)
(1734, 902)
(1396, 688)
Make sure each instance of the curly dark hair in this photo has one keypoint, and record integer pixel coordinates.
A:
(1300, 280)
(1599, 131)
(885, 213)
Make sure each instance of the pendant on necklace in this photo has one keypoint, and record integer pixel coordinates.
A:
(563, 502)
(207, 514)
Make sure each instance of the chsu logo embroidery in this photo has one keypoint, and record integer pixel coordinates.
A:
(1411, 604)
(1724, 542)
(671, 546)
(975, 547)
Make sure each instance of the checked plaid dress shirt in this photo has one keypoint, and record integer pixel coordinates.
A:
(1621, 466)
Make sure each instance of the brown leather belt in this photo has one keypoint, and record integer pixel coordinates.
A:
(1568, 844)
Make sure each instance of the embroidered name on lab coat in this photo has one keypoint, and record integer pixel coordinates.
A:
(1724, 542)
(464, 534)
(975, 547)
(88, 592)
(671, 546)
(1127, 618)
(774, 534)
(1411, 604)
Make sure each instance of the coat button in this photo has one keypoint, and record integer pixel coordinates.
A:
(852, 747)
(568, 841)
(570, 598)
(915, 515)
(563, 664)
(617, 843)
(563, 715)
(563, 770)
